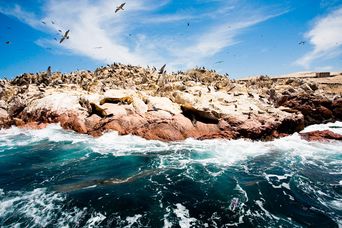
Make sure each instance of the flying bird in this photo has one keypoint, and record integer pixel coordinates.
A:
(188, 24)
(59, 30)
(218, 62)
(52, 22)
(301, 43)
(66, 36)
(44, 22)
(162, 69)
(120, 7)
(7, 42)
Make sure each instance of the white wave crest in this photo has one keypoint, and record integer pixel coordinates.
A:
(40, 208)
(178, 154)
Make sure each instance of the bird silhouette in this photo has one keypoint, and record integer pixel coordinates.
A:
(301, 43)
(48, 72)
(120, 7)
(188, 24)
(7, 42)
(44, 22)
(66, 36)
(218, 62)
(162, 69)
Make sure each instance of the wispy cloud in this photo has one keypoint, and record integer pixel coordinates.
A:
(141, 34)
(326, 38)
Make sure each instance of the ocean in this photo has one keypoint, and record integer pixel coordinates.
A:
(57, 178)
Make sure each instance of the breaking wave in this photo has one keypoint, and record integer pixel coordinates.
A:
(53, 177)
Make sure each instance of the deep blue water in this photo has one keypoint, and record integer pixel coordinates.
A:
(55, 178)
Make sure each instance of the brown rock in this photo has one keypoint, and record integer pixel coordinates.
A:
(163, 132)
(18, 122)
(92, 121)
(3, 113)
(337, 108)
(320, 136)
(16, 107)
(33, 125)
(73, 122)
(325, 112)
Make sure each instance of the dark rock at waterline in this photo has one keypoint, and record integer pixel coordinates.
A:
(320, 136)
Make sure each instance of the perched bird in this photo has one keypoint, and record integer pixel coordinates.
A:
(48, 72)
(301, 43)
(162, 69)
(120, 7)
(66, 36)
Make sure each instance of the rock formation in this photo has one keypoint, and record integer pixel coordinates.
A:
(198, 103)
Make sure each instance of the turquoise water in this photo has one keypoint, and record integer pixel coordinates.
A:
(55, 178)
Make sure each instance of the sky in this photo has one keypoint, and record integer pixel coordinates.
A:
(238, 37)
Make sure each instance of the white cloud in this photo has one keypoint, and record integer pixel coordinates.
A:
(326, 38)
(94, 24)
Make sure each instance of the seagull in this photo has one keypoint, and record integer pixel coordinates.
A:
(161, 71)
(120, 7)
(301, 43)
(65, 36)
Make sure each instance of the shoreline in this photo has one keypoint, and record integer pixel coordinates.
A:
(197, 104)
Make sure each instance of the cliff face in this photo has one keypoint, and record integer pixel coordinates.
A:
(198, 103)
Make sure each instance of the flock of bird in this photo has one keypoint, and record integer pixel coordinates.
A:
(118, 8)
(66, 34)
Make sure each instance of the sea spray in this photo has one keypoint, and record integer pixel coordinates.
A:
(56, 177)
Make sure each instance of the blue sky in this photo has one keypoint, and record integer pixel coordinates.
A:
(238, 37)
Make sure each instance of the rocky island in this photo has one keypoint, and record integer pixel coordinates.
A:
(199, 103)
